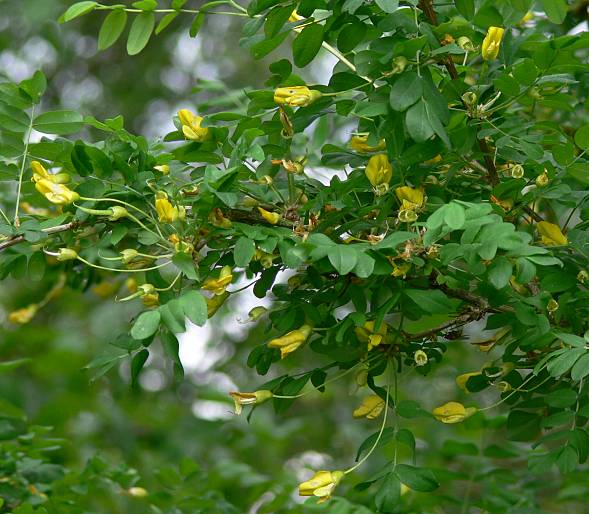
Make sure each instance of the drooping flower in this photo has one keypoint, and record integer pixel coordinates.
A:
(271, 217)
(58, 194)
(288, 343)
(420, 358)
(24, 315)
(371, 407)
(219, 285)
(379, 171)
(551, 235)
(411, 199)
(542, 179)
(254, 398)
(191, 126)
(321, 484)
(296, 96)
(167, 213)
(360, 144)
(367, 334)
(461, 380)
(492, 43)
(39, 172)
(453, 412)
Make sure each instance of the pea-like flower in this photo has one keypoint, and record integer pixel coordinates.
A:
(360, 144)
(167, 213)
(420, 358)
(219, 285)
(288, 343)
(321, 484)
(367, 334)
(271, 217)
(371, 407)
(550, 234)
(492, 43)
(542, 179)
(453, 412)
(379, 171)
(191, 126)
(296, 96)
(24, 315)
(164, 169)
(411, 199)
(39, 172)
(254, 398)
(58, 194)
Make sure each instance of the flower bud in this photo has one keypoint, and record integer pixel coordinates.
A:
(146, 289)
(552, 305)
(137, 492)
(542, 179)
(66, 254)
(469, 98)
(296, 96)
(118, 212)
(583, 276)
(241, 399)
(492, 43)
(24, 315)
(128, 255)
(466, 44)
(288, 343)
(164, 169)
(321, 485)
(271, 217)
(517, 171)
(379, 171)
(399, 64)
(452, 412)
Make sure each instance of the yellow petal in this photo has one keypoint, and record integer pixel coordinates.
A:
(551, 234)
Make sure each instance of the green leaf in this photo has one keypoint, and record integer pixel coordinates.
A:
(185, 263)
(140, 32)
(582, 137)
(59, 122)
(307, 44)
(145, 5)
(556, 10)
(195, 307)
(7, 366)
(244, 251)
(196, 24)
(500, 273)
(146, 325)
(406, 91)
(418, 124)
(343, 258)
(561, 398)
(561, 364)
(388, 6)
(388, 434)
(454, 216)
(388, 494)
(431, 301)
(466, 8)
(365, 265)
(418, 479)
(581, 368)
(137, 364)
(171, 349)
(112, 28)
(78, 9)
(172, 315)
(395, 239)
(165, 21)
(35, 86)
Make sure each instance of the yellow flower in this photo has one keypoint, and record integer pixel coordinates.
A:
(296, 96)
(452, 412)
(411, 199)
(215, 303)
(255, 398)
(166, 212)
(542, 179)
(270, 217)
(294, 17)
(288, 343)
(164, 169)
(56, 193)
(371, 407)
(23, 315)
(420, 358)
(219, 285)
(492, 43)
(321, 484)
(401, 270)
(150, 299)
(218, 219)
(39, 172)
(360, 144)
(191, 126)
(551, 235)
(379, 171)
(366, 334)
(461, 380)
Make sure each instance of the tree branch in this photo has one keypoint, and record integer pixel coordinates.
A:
(51, 230)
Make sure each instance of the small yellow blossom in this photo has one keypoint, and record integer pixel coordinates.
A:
(219, 285)
(167, 213)
(551, 235)
(401, 270)
(24, 315)
(214, 303)
(360, 144)
(542, 179)
(218, 219)
(191, 126)
(164, 169)
(517, 171)
(461, 380)
(420, 358)
(366, 334)
(128, 255)
(271, 217)
(255, 398)
(492, 43)
(321, 484)
(294, 17)
(56, 193)
(379, 171)
(411, 199)
(399, 64)
(296, 96)
(453, 412)
(39, 173)
(466, 44)
(150, 299)
(583, 276)
(552, 306)
(288, 343)
(371, 407)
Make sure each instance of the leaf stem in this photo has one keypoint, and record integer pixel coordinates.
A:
(22, 167)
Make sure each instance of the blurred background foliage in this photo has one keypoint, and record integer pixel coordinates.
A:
(95, 444)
